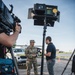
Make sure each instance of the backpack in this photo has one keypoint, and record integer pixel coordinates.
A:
(73, 65)
(6, 67)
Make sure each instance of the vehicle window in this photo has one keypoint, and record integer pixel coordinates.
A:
(18, 50)
(23, 50)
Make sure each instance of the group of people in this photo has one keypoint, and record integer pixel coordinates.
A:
(31, 51)
(31, 54)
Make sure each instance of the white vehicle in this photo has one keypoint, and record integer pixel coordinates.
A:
(19, 54)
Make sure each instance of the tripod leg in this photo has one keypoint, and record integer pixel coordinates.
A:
(68, 62)
(14, 61)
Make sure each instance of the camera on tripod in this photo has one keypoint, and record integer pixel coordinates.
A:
(7, 18)
(7, 24)
(42, 11)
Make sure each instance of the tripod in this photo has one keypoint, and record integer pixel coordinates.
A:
(68, 63)
(14, 61)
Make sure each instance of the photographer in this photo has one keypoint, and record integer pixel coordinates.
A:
(8, 41)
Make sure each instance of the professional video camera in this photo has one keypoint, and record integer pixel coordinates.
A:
(40, 12)
(7, 24)
(7, 18)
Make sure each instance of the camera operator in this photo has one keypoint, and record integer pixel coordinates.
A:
(8, 41)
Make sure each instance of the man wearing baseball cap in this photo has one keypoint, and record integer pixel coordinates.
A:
(31, 54)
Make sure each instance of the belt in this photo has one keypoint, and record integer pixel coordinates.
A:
(50, 59)
(29, 59)
(32, 58)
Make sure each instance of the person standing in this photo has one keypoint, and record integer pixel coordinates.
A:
(31, 54)
(50, 55)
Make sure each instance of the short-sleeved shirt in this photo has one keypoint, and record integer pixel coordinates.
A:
(51, 48)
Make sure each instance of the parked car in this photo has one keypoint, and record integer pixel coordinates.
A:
(19, 54)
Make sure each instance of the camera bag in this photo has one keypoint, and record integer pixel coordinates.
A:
(6, 67)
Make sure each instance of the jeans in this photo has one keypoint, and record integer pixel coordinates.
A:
(50, 66)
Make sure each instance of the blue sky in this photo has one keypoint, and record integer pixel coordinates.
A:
(62, 33)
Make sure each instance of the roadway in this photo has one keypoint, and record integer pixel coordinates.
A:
(58, 68)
